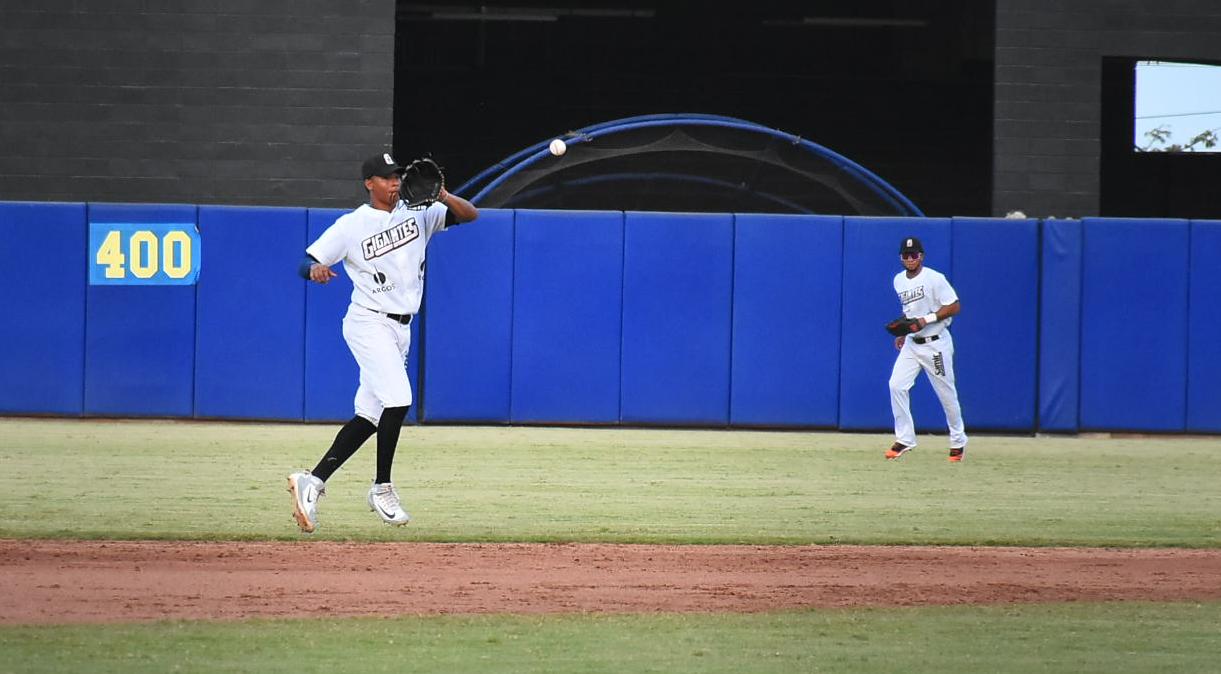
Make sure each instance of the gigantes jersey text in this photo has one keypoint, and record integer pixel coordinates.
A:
(383, 242)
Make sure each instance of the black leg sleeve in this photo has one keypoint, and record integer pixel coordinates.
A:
(387, 440)
(347, 441)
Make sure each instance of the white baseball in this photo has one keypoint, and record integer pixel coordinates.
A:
(558, 147)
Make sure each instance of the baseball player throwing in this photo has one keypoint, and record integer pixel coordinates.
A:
(924, 343)
(381, 245)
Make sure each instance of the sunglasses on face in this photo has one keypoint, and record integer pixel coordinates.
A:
(909, 256)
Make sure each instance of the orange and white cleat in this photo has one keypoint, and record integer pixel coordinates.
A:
(306, 490)
(898, 449)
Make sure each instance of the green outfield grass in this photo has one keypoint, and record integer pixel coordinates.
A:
(204, 480)
(216, 481)
(1110, 638)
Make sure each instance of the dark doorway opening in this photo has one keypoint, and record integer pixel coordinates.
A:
(905, 89)
(1148, 184)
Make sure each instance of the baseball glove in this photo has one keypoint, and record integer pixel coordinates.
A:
(903, 326)
(422, 182)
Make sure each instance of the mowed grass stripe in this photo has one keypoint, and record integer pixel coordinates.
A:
(1106, 638)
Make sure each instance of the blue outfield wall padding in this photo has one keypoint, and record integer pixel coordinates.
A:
(677, 294)
(867, 354)
(468, 321)
(140, 340)
(250, 336)
(996, 274)
(1204, 321)
(1134, 377)
(1059, 371)
(331, 374)
(567, 314)
(786, 307)
(714, 324)
(42, 354)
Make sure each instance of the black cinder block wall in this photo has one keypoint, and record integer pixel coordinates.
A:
(275, 102)
(196, 101)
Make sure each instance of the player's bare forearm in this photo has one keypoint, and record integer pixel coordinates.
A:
(463, 210)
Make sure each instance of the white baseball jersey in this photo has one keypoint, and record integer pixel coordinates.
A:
(927, 292)
(383, 254)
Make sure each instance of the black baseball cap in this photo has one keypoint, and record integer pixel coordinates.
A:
(911, 245)
(379, 165)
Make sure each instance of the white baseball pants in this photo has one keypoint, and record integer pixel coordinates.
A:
(380, 347)
(936, 358)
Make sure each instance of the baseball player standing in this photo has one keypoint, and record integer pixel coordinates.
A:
(382, 245)
(929, 298)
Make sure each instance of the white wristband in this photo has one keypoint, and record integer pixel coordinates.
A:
(931, 318)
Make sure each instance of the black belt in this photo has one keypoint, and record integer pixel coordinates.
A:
(404, 319)
(921, 340)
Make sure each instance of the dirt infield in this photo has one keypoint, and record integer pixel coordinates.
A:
(73, 582)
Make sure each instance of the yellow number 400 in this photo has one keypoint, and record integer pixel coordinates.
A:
(142, 248)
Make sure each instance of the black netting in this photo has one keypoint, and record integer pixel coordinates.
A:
(691, 168)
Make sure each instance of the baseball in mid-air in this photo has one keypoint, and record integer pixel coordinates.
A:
(558, 147)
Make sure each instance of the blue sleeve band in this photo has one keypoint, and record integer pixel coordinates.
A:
(303, 268)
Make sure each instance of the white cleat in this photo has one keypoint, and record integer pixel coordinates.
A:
(384, 501)
(306, 490)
